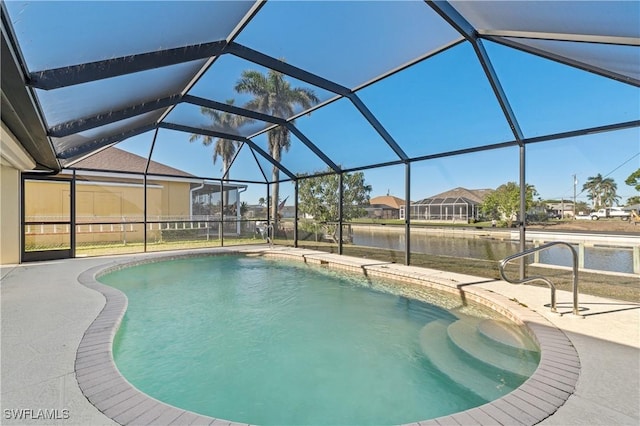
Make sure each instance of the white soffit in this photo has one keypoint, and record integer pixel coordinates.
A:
(12, 153)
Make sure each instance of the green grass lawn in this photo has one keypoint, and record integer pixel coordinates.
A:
(119, 248)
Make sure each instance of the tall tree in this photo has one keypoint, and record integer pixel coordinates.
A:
(634, 181)
(601, 191)
(592, 186)
(504, 202)
(319, 197)
(273, 95)
(223, 148)
(609, 192)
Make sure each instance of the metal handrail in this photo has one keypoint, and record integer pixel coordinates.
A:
(270, 234)
(528, 252)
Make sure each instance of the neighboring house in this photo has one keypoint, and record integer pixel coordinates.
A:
(457, 204)
(260, 211)
(256, 211)
(107, 204)
(560, 210)
(385, 207)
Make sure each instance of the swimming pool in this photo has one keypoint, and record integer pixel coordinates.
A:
(266, 342)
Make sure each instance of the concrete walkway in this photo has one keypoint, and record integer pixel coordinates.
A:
(45, 312)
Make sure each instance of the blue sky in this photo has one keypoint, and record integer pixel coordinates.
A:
(439, 105)
(442, 104)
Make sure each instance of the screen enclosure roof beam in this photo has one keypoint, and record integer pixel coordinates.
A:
(285, 68)
(96, 144)
(98, 70)
(586, 38)
(457, 21)
(262, 117)
(564, 60)
(297, 73)
(368, 115)
(263, 153)
(87, 123)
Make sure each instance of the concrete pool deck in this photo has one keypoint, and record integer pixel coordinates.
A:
(46, 312)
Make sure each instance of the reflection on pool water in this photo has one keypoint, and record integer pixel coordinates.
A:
(270, 342)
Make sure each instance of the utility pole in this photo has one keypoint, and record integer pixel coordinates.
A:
(575, 183)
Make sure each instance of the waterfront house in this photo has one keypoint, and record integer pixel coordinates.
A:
(385, 207)
(458, 204)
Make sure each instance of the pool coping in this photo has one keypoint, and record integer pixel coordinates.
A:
(536, 399)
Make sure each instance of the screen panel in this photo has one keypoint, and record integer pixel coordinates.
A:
(548, 97)
(624, 60)
(345, 136)
(440, 105)
(611, 18)
(114, 94)
(220, 83)
(215, 120)
(353, 41)
(71, 33)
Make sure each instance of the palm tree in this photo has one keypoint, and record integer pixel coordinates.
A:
(609, 195)
(223, 148)
(274, 95)
(601, 190)
(592, 186)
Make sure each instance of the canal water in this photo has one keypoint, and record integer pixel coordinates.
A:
(610, 259)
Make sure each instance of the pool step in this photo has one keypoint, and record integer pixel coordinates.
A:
(445, 357)
(485, 340)
(475, 355)
(506, 334)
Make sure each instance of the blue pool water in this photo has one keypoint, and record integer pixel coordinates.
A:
(268, 342)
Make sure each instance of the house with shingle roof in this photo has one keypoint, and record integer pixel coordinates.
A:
(182, 195)
(458, 204)
(385, 207)
(109, 207)
(119, 160)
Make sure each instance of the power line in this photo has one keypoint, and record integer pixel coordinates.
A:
(620, 165)
(632, 157)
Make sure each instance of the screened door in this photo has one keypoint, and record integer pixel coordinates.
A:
(47, 228)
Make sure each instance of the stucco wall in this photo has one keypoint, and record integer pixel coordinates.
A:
(176, 199)
(9, 215)
(98, 202)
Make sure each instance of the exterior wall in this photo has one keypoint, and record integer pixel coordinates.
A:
(97, 202)
(9, 215)
(176, 199)
(47, 201)
(106, 202)
(13, 159)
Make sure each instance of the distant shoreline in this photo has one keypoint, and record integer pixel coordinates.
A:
(605, 238)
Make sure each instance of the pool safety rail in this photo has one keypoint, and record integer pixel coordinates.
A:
(525, 280)
(270, 234)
